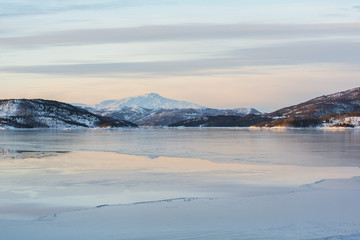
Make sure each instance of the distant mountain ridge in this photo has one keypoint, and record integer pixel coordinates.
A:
(154, 110)
(39, 113)
(223, 121)
(338, 109)
(165, 117)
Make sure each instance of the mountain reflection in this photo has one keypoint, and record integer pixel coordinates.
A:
(4, 151)
(22, 154)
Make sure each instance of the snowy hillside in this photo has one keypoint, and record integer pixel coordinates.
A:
(148, 101)
(38, 113)
(336, 103)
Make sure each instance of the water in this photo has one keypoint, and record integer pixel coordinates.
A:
(46, 171)
(288, 147)
(171, 183)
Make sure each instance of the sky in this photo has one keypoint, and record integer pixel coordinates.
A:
(265, 54)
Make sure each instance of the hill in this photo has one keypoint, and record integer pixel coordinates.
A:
(39, 113)
(337, 103)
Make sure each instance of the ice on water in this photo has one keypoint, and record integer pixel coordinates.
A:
(180, 184)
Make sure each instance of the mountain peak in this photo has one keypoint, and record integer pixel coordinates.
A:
(147, 101)
(151, 95)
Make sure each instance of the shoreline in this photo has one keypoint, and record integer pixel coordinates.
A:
(181, 127)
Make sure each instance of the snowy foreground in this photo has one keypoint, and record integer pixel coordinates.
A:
(94, 195)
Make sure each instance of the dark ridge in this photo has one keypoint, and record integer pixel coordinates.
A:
(223, 121)
(294, 122)
(165, 117)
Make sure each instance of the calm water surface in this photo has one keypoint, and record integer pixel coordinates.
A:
(290, 147)
(48, 171)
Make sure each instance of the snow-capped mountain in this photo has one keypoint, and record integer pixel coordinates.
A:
(39, 113)
(154, 110)
(147, 101)
(336, 103)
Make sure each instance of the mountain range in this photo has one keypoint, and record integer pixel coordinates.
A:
(154, 110)
(338, 109)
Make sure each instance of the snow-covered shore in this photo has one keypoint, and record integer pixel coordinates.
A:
(96, 195)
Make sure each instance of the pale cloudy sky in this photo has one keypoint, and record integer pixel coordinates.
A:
(265, 54)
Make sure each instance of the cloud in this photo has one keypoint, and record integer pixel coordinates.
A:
(14, 9)
(357, 7)
(305, 52)
(11, 8)
(24, 8)
(183, 33)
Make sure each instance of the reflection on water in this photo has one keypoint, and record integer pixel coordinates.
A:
(49, 169)
(87, 179)
(22, 154)
(289, 147)
(7, 151)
